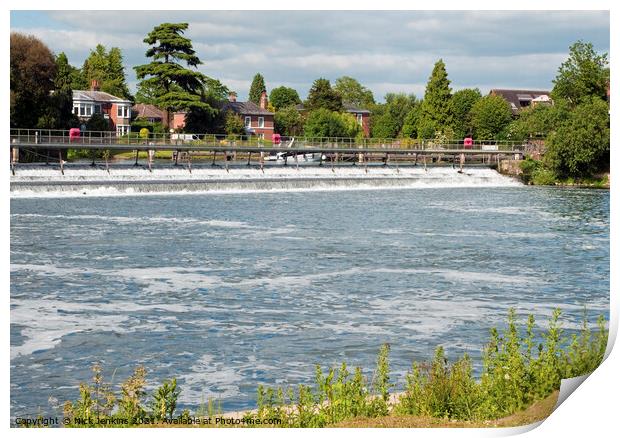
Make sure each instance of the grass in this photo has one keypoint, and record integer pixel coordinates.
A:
(518, 385)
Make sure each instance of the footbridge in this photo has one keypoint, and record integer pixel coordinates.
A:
(53, 146)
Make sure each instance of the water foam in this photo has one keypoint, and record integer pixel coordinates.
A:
(134, 181)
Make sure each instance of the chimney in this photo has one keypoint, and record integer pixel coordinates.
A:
(232, 96)
(94, 85)
(263, 100)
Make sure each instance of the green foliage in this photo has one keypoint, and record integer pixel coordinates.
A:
(174, 87)
(517, 370)
(322, 96)
(97, 123)
(435, 108)
(282, 97)
(388, 119)
(288, 121)
(581, 145)
(537, 121)
(164, 401)
(153, 127)
(490, 115)
(257, 88)
(234, 124)
(460, 107)
(32, 75)
(107, 68)
(325, 123)
(353, 93)
(583, 75)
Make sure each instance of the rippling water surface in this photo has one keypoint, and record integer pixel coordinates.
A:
(229, 291)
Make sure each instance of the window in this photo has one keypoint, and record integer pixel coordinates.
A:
(97, 109)
(248, 121)
(261, 122)
(360, 119)
(122, 129)
(122, 111)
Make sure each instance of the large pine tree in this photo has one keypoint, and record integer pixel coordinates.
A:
(257, 88)
(435, 108)
(322, 95)
(177, 87)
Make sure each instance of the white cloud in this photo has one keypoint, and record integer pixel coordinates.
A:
(387, 51)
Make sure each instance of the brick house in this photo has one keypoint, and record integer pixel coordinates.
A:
(149, 113)
(362, 116)
(115, 109)
(256, 118)
(520, 99)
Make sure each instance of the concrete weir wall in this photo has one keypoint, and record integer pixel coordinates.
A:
(510, 167)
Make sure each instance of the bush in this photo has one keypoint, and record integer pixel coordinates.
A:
(516, 371)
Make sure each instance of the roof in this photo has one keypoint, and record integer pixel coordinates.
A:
(515, 97)
(354, 109)
(347, 108)
(147, 111)
(97, 96)
(246, 108)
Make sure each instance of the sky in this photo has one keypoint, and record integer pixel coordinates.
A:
(387, 51)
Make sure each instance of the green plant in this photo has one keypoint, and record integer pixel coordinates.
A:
(164, 400)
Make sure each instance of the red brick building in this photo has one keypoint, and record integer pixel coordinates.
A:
(256, 118)
(117, 110)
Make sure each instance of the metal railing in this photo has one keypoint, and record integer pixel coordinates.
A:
(101, 139)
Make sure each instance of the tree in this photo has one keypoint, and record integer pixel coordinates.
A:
(107, 68)
(435, 110)
(489, 116)
(257, 88)
(32, 74)
(460, 106)
(288, 121)
(325, 123)
(58, 111)
(353, 93)
(580, 146)
(97, 123)
(538, 121)
(177, 87)
(281, 97)
(234, 124)
(321, 95)
(388, 119)
(212, 119)
(585, 73)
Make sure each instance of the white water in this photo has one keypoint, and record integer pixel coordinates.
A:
(139, 181)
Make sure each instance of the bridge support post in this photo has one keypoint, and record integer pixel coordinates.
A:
(213, 162)
(151, 155)
(262, 162)
(462, 162)
(136, 163)
(14, 159)
(189, 161)
(296, 161)
(365, 163)
(176, 157)
(62, 163)
(249, 157)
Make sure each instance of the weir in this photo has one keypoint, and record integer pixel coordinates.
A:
(36, 182)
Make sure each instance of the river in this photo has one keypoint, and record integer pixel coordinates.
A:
(232, 289)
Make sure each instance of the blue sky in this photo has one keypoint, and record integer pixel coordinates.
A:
(387, 51)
